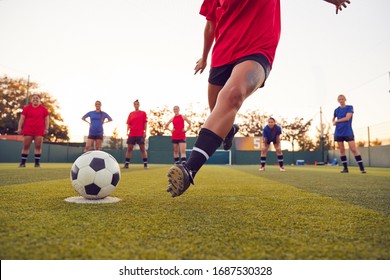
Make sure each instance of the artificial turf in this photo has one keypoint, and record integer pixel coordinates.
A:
(233, 212)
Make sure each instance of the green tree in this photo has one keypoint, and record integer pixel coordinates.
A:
(252, 123)
(157, 119)
(296, 132)
(14, 95)
(115, 140)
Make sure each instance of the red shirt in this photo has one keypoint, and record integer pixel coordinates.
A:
(243, 27)
(34, 122)
(178, 125)
(136, 121)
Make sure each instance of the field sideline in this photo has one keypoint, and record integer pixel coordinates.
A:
(232, 213)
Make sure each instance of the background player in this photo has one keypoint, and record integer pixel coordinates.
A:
(271, 134)
(137, 122)
(96, 120)
(179, 135)
(342, 119)
(33, 124)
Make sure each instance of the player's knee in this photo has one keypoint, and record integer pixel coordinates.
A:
(235, 97)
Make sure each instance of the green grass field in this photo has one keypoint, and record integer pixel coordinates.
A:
(233, 212)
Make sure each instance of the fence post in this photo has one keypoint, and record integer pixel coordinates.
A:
(369, 146)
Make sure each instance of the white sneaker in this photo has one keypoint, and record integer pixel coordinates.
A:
(261, 168)
(282, 169)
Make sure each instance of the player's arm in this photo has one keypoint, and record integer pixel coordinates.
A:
(340, 4)
(188, 122)
(345, 119)
(145, 128)
(46, 124)
(20, 124)
(208, 37)
(167, 124)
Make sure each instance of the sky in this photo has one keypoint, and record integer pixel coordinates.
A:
(117, 51)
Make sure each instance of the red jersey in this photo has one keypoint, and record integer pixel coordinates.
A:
(34, 122)
(136, 121)
(243, 27)
(178, 125)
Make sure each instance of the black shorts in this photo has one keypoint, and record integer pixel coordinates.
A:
(95, 137)
(178, 141)
(219, 75)
(135, 140)
(344, 138)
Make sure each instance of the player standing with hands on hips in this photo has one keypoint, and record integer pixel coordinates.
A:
(342, 119)
(245, 35)
(179, 135)
(96, 120)
(33, 124)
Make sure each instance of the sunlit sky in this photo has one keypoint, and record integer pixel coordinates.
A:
(117, 51)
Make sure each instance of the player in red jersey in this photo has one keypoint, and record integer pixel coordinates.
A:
(33, 124)
(244, 35)
(179, 135)
(136, 128)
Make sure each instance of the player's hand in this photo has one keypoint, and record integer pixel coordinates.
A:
(19, 131)
(200, 66)
(340, 4)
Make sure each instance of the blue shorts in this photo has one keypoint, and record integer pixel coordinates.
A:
(95, 137)
(344, 138)
(219, 75)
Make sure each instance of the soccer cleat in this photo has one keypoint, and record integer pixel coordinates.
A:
(282, 169)
(261, 168)
(228, 141)
(37, 165)
(126, 165)
(22, 165)
(179, 178)
(363, 171)
(345, 170)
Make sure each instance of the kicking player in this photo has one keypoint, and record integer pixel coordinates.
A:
(244, 36)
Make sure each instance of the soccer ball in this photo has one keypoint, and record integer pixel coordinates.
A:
(95, 174)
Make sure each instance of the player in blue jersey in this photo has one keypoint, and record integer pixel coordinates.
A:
(271, 134)
(342, 119)
(96, 120)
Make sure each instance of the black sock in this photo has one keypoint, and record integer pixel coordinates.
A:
(176, 160)
(344, 161)
(183, 159)
(127, 160)
(280, 160)
(360, 162)
(37, 158)
(231, 132)
(145, 162)
(205, 146)
(23, 158)
(263, 161)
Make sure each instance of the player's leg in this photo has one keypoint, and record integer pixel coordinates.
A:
(279, 154)
(98, 144)
(213, 91)
(27, 140)
(343, 156)
(38, 141)
(176, 153)
(129, 153)
(88, 145)
(144, 154)
(353, 148)
(183, 156)
(245, 78)
(263, 156)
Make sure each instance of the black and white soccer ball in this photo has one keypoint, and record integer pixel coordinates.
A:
(95, 174)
